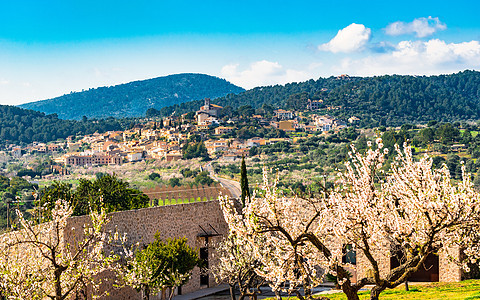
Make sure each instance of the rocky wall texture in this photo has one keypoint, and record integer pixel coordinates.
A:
(449, 271)
(191, 220)
(364, 268)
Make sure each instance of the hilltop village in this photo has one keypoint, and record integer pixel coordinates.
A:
(166, 139)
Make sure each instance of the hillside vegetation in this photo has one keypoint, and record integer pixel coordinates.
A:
(389, 100)
(134, 98)
(19, 126)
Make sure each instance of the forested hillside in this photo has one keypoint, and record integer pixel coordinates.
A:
(276, 95)
(19, 125)
(134, 98)
(382, 100)
(395, 100)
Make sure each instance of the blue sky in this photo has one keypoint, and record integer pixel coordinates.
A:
(49, 48)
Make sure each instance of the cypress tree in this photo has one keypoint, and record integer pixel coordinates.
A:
(244, 182)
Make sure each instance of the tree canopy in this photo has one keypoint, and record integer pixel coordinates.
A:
(160, 265)
(195, 149)
(36, 263)
(389, 100)
(21, 126)
(107, 192)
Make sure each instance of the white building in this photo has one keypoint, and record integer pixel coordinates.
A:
(135, 156)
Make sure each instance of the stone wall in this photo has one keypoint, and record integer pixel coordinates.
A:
(449, 270)
(183, 220)
(183, 194)
(364, 268)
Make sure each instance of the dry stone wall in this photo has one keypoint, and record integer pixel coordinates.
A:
(183, 220)
(364, 268)
(185, 193)
(449, 270)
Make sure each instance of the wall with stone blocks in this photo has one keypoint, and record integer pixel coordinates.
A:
(364, 268)
(449, 271)
(182, 220)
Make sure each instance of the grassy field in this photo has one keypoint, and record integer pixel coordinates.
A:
(179, 201)
(465, 290)
(474, 133)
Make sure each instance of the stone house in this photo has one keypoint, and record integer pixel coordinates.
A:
(314, 104)
(88, 160)
(135, 156)
(223, 130)
(283, 114)
(17, 152)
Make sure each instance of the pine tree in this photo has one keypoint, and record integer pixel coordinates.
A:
(244, 182)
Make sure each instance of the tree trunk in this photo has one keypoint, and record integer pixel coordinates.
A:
(299, 295)
(308, 293)
(351, 295)
(58, 285)
(277, 295)
(172, 292)
(349, 291)
(232, 293)
(146, 292)
(375, 292)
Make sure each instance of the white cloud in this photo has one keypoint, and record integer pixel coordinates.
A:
(422, 27)
(349, 39)
(262, 73)
(417, 58)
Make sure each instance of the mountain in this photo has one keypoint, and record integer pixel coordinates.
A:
(134, 98)
(21, 126)
(389, 100)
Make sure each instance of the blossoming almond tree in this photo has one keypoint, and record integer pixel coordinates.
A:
(289, 236)
(414, 208)
(416, 211)
(35, 262)
(236, 266)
